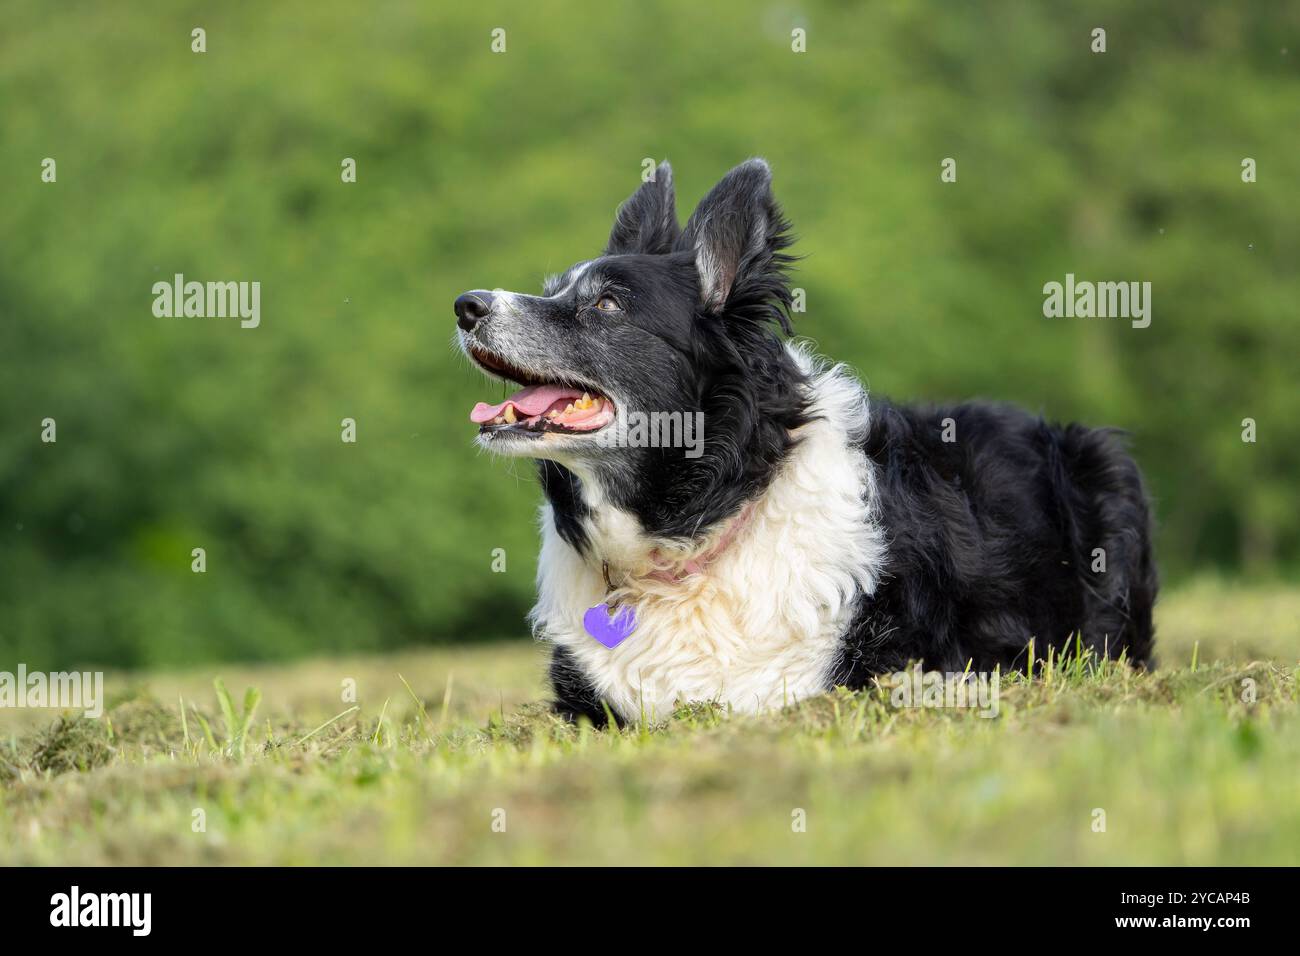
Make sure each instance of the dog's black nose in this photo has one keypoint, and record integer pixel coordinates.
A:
(472, 307)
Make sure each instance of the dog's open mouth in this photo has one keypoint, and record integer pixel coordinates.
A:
(540, 407)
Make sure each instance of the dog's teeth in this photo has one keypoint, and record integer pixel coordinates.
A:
(510, 415)
(499, 420)
(569, 409)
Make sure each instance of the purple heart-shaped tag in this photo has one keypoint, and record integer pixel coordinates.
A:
(610, 631)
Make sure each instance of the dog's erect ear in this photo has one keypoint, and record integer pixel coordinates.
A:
(647, 222)
(737, 234)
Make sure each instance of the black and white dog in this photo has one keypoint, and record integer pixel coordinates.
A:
(814, 538)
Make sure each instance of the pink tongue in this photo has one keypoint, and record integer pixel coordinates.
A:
(527, 402)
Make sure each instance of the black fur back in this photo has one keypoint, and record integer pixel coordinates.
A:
(991, 543)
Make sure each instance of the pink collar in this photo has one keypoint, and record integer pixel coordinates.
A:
(698, 564)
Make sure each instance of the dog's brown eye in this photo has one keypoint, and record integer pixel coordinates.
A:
(608, 303)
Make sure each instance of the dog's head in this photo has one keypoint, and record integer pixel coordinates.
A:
(666, 321)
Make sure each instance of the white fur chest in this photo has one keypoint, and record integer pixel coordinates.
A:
(762, 624)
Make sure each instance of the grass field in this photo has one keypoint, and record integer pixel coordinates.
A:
(466, 767)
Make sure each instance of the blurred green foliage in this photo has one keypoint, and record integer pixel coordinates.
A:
(481, 169)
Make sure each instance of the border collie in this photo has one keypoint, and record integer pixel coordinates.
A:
(817, 538)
